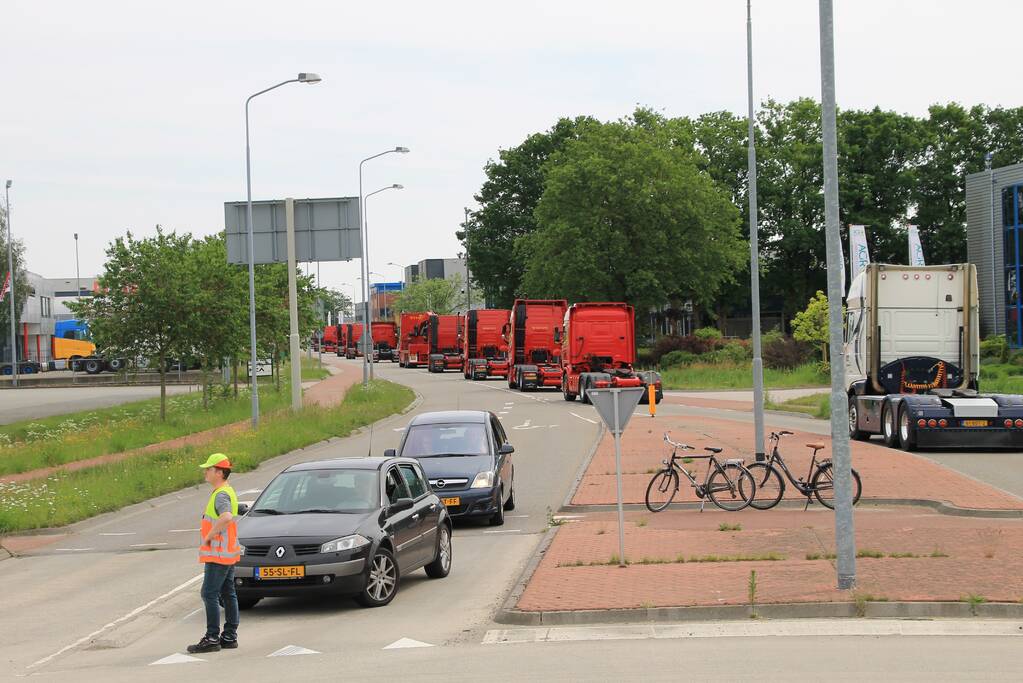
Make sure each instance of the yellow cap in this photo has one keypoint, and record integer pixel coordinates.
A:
(216, 460)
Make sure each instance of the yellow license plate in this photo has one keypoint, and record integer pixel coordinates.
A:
(287, 572)
(451, 502)
(975, 423)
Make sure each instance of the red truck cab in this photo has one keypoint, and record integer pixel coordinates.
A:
(598, 350)
(444, 334)
(342, 339)
(413, 347)
(329, 339)
(532, 350)
(353, 349)
(484, 349)
(385, 341)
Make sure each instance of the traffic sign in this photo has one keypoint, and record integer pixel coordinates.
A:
(604, 401)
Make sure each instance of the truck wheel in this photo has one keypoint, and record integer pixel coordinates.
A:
(854, 426)
(889, 427)
(93, 366)
(115, 364)
(511, 378)
(907, 435)
(564, 389)
(583, 386)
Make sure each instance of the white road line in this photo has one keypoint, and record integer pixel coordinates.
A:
(502, 412)
(116, 622)
(192, 613)
(403, 643)
(516, 516)
(242, 493)
(583, 418)
(179, 531)
(503, 531)
(118, 533)
(73, 550)
(145, 545)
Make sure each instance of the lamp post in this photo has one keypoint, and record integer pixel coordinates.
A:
(13, 276)
(367, 346)
(754, 256)
(468, 288)
(365, 249)
(78, 271)
(301, 78)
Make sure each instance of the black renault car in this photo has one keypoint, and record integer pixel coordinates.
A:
(467, 458)
(351, 526)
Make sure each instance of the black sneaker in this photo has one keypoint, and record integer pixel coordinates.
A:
(207, 644)
(228, 643)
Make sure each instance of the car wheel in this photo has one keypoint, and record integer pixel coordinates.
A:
(382, 581)
(441, 565)
(497, 519)
(510, 505)
(247, 603)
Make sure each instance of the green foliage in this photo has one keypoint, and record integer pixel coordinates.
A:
(699, 376)
(995, 348)
(439, 295)
(332, 301)
(708, 333)
(676, 358)
(21, 287)
(811, 324)
(782, 353)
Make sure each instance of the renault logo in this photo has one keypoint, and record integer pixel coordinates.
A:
(279, 552)
(441, 483)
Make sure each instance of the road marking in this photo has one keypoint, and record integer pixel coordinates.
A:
(73, 550)
(176, 658)
(516, 516)
(251, 491)
(528, 424)
(503, 531)
(551, 426)
(116, 622)
(145, 545)
(584, 418)
(502, 412)
(192, 613)
(118, 533)
(179, 531)
(742, 629)
(292, 650)
(399, 429)
(403, 643)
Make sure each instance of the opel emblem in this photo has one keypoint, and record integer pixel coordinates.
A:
(279, 552)
(441, 483)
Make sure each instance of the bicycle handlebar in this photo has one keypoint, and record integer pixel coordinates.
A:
(683, 446)
(778, 435)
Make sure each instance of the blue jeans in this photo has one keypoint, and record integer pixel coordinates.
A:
(217, 586)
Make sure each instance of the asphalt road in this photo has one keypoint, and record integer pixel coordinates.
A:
(120, 592)
(29, 403)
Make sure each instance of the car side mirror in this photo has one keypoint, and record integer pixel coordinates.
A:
(399, 505)
(390, 453)
(243, 508)
(506, 449)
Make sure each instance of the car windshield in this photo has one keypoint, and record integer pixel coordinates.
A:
(427, 440)
(326, 491)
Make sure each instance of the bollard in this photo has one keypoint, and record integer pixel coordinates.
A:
(651, 393)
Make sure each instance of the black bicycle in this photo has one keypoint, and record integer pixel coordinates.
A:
(729, 485)
(819, 484)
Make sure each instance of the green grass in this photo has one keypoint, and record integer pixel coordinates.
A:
(60, 439)
(700, 376)
(724, 526)
(815, 405)
(68, 497)
(311, 369)
(1001, 378)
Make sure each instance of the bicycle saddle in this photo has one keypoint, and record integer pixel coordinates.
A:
(713, 449)
(815, 446)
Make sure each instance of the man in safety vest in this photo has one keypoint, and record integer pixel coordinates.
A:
(219, 552)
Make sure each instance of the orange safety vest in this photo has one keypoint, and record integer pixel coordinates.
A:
(224, 548)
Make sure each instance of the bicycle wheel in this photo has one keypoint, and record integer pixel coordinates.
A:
(731, 487)
(661, 490)
(823, 485)
(770, 485)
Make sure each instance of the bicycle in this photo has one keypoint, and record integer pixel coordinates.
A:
(768, 479)
(730, 486)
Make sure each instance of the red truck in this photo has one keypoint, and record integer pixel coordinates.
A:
(532, 350)
(444, 334)
(353, 333)
(598, 349)
(413, 347)
(484, 350)
(329, 339)
(385, 341)
(342, 339)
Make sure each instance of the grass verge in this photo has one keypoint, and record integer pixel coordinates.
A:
(731, 376)
(68, 497)
(814, 405)
(312, 370)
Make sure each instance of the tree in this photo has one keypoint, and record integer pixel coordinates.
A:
(145, 306)
(273, 321)
(332, 301)
(20, 279)
(439, 295)
(626, 215)
(811, 324)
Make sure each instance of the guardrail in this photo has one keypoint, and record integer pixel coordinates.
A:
(65, 378)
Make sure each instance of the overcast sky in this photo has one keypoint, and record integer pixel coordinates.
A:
(122, 115)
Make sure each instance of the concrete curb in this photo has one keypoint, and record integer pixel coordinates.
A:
(824, 610)
(508, 614)
(5, 554)
(938, 506)
(567, 502)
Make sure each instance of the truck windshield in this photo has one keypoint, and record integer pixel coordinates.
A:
(445, 439)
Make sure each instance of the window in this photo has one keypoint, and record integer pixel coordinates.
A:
(499, 434)
(446, 439)
(44, 306)
(1007, 209)
(339, 490)
(416, 485)
(395, 486)
(1019, 205)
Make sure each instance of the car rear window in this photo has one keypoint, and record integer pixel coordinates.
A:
(326, 490)
(427, 440)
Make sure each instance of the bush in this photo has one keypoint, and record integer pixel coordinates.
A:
(677, 358)
(665, 345)
(690, 343)
(708, 333)
(996, 348)
(785, 353)
(737, 351)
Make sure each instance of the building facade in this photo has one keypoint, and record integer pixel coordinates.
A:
(447, 268)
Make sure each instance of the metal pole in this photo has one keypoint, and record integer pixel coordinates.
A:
(295, 349)
(844, 534)
(616, 396)
(754, 256)
(14, 279)
(468, 289)
(995, 268)
(252, 273)
(364, 269)
(367, 335)
(78, 271)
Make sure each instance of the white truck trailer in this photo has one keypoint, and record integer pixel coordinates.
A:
(912, 361)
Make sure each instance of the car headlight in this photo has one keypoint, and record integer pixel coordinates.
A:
(346, 543)
(483, 480)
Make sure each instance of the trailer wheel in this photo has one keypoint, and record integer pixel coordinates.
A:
(854, 422)
(511, 378)
(889, 427)
(564, 389)
(116, 364)
(93, 366)
(907, 435)
(583, 386)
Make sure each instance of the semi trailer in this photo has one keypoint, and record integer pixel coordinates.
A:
(385, 341)
(484, 350)
(598, 350)
(413, 346)
(353, 333)
(532, 350)
(912, 361)
(444, 334)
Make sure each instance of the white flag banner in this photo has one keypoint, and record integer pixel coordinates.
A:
(916, 252)
(859, 256)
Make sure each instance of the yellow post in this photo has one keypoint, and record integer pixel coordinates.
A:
(651, 393)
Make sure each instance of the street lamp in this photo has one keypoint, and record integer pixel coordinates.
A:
(78, 271)
(468, 289)
(13, 277)
(368, 345)
(366, 370)
(301, 78)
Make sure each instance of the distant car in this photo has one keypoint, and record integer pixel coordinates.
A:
(467, 458)
(351, 526)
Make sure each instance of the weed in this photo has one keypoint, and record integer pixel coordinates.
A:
(767, 557)
(901, 556)
(646, 605)
(601, 531)
(724, 526)
(937, 553)
(974, 601)
(616, 560)
(861, 599)
(751, 591)
(876, 554)
(642, 521)
(551, 521)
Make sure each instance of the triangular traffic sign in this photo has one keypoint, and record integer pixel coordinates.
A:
(604, 401)
(406, 643)
(291, 650)
(176, 658)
